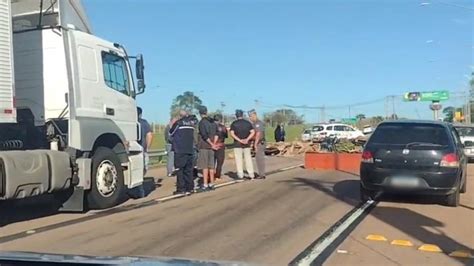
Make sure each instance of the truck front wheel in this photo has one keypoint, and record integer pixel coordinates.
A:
(107, 181)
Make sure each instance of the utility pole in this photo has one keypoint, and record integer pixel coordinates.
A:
(467, 116)
(393, 104)
(223, 113)
(192, 102)
(323, 114)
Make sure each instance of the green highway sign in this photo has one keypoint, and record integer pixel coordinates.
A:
(427, 96)
(350, 121)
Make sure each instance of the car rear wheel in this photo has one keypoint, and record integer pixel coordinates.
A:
(453, 199)
(366, 194)
(463, 187)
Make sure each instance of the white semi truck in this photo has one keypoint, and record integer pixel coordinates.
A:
(68, 118)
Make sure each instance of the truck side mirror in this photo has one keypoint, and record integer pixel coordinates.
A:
(140, 73)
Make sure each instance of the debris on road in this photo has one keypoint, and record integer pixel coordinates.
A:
(290, 148)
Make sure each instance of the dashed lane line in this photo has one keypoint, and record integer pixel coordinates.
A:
(323, 247)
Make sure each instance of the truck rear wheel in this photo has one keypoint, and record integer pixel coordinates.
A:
(107, 181)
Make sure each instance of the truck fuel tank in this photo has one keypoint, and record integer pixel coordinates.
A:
(30, 173)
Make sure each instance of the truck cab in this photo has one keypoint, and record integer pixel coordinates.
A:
(73, 115)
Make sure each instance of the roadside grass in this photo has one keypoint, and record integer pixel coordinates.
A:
(293, 133)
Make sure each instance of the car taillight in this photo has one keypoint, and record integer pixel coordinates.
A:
(450, 160)
(367, 157)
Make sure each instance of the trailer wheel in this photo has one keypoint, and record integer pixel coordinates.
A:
(107, 181)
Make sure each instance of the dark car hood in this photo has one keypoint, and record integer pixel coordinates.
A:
(31, 258)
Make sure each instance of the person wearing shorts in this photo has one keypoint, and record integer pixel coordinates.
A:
(207, 140)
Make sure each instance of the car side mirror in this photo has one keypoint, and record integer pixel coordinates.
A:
(140, 73)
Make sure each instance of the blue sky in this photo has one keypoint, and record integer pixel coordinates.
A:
(310, 53)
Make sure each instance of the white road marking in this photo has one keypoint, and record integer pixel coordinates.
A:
(169, 197)
(318, 249)
(223, 184)
(226, 184)
(290, 167)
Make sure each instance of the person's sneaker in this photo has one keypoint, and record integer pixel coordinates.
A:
(179, 193)
(211, 187)
(202, 189)
(248, 178)
(260, 177)
(188, 193)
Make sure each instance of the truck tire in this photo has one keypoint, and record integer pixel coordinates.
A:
(107, 181)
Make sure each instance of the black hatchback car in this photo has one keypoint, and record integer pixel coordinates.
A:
(414, 157)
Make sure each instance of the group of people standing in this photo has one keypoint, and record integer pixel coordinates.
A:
(195, 146)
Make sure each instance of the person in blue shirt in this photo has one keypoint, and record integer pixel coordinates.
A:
(146, 137)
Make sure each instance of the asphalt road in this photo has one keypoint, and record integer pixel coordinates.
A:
(416, 221)
(270, 222)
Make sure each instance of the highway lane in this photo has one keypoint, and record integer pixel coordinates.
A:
(268, 221)
(416, 221)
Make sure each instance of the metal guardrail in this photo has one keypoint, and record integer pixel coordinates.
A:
(157, 156)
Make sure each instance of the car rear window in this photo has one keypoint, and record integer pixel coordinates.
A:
(318, 128)
(402, 134)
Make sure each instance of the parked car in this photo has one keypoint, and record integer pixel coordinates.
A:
(414, 157)
(466, 133)
(306, 135)
(319, 132)
(367, 130)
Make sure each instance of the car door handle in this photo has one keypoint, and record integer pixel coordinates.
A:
(110, 111)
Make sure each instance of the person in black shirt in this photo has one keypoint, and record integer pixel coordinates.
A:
(220, 152)
(182, 135)
(206, 145)
(242, 132)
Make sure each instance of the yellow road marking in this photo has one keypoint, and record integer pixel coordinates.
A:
(399, 242)
(430, 248)
(376, 238)
(461, 254)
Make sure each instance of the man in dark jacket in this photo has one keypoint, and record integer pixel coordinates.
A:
(182, 135)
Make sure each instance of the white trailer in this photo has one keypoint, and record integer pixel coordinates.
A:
(68, 118)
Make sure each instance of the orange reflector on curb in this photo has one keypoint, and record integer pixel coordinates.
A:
(376, 238)
(430, 248)
(461, 254)
(405, 243)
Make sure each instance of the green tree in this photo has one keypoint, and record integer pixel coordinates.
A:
(449, 113)
(287, 116)
(360, 116)
(188, 100)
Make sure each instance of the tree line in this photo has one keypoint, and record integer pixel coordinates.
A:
(191, 102)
